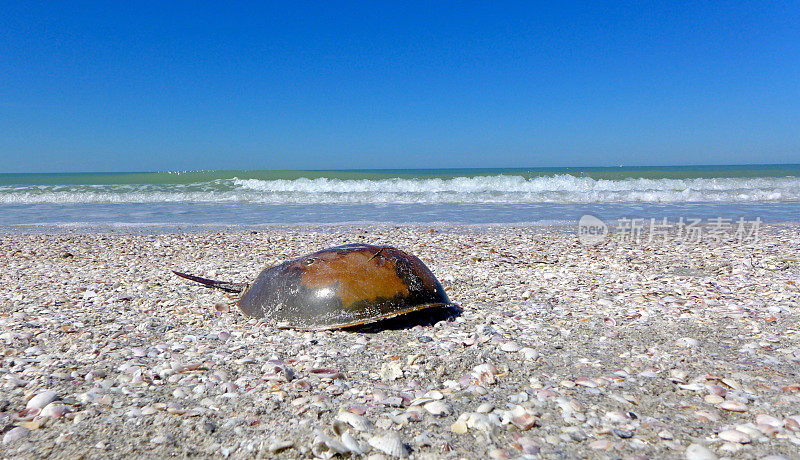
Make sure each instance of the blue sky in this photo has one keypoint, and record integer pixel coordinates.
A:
(143, 86)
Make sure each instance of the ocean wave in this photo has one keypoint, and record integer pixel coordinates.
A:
(481, 189)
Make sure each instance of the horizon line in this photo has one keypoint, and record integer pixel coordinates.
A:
(179, 171)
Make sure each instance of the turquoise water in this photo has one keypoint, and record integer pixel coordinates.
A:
(470, 196)
(198, 177)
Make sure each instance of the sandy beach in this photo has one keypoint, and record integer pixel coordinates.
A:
(623, 350)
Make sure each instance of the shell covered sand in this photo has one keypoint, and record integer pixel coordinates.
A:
(622, 350)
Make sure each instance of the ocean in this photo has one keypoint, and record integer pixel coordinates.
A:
(179, 200)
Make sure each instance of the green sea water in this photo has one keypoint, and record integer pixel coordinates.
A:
(207, 176)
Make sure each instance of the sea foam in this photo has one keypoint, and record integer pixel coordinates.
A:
(563, 188)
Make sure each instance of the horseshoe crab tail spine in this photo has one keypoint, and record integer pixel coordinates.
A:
(224, 285)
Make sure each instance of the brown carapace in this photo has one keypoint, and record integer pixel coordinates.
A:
(342, 287)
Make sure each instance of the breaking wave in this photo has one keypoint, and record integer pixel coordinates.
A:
(563, 188)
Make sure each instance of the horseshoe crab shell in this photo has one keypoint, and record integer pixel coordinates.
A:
(341, 287)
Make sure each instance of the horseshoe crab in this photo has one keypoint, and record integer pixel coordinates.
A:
(341, 287)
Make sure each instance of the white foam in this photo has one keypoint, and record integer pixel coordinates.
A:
(481, 189)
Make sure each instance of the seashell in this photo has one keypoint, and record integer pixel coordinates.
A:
(510, 347)
(438, 408)
(768, 420)
(687, 342)
(280, 446)
(706, 417)
(717, 390)
(460, 426)
(677, 376)
(485, 373)
(521, 418)
(734, 436)
(26, 415)
(393, 401)
(413, 416)
(731, 383)
(329, 444)
(42, 399)
(586, 382)
(749, 429)
(54, 410)
(793, 423)
(649, 374)
(616, 417)
(484, 408)
(480, 422)
(15, 434)
(733, 406)
(391, 371)
(326, 373)
(421, 401)
(356, 421)
(434, 394)
(529, 354)
(545, 393)
(602, 444)
(351, 443)
(664, 434)
(691, 386)
(358, 409)
(94, 375)
(186, 367)
(699, 452)
(390, 444)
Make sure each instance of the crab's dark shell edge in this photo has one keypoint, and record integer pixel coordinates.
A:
(344, 287)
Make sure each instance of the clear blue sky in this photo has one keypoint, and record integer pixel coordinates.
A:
(164, 85)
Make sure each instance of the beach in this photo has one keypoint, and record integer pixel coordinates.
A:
(626, 349)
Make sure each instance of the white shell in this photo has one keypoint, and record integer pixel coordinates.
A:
(390, 444)
(733, 406)
(510, 347)
(485, 373)
(768, 420)
(734, 436)
(351, 443)
(484, 408)
(54, 410)
(332, 444)
(42, 399)
(438, 408)
(421, 401)
(15, 434)
(521, 418)
(358, 422)
(699, 452)
(434, 394)
(479, 422)
(530, 354)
